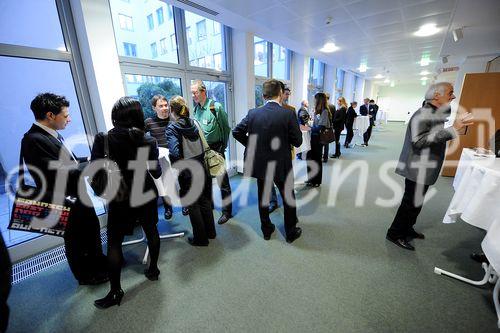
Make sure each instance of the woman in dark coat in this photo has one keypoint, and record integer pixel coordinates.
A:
(186, 151)
(321, 121)
(128, 142)
(349, 123)
(338, 123)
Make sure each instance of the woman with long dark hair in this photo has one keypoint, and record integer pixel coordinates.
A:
(185, 145)
(321, 121)
(125, 140)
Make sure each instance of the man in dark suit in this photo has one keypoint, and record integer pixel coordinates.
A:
(5, 285)
(374, 108)
(267, 133)
(422, 157)
(43, 148)
(367, 110)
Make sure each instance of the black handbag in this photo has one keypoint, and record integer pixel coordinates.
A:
(108, 182)
(33, 211)
(326, 136)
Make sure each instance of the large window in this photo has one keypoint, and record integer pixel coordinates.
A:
(205, 46)
(126, 22)
(23, 77)
(339, 83)
(281, 63)
(260, 57)
(144, 87)
(154, 51)
(137, 41)
(316, 79)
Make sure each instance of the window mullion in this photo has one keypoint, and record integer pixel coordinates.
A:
(180, 32)
(269, 59)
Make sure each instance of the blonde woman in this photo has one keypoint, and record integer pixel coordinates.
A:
(338, 123)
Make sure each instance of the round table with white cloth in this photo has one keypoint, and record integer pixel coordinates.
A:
(477, 202)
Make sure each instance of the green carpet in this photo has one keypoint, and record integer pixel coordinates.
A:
(340, 276)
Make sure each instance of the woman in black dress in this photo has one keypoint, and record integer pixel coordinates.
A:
(349, 123)
(338, 123)
(127, 142)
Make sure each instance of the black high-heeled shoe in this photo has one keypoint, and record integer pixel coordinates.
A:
(152, 274)
(114, 297)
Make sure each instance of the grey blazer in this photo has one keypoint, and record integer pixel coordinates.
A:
(424, 147)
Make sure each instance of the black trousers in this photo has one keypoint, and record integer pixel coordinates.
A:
(200, 212)
(408, 211)
(367, 134)
(314, 157)
(274, 196)
(337, 132)
(350, 133)
(82, 242)
(223, 182)
(5, 285)
(326, 149)
(289, 206)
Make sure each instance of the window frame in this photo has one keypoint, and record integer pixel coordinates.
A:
(73, 57)
(158, 11)
(131, 22)
(151, 22)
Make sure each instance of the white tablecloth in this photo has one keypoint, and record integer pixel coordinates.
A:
(381, 117)
(166, 183)
(361, 124)
(306, 143)
(477, 200)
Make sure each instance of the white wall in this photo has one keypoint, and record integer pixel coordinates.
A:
(243, 83)
(300, 76)
(400, 100)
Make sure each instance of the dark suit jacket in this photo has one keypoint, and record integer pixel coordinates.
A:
(339, 119)
(267, 124)
(40, 149)
(364, 111)
(425, 143)
(350, 116)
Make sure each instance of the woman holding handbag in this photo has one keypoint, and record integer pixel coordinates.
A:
(185, 144)
(120, 145)
(321, 133)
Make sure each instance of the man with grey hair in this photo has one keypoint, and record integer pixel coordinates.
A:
(422, 157)
(215, 125)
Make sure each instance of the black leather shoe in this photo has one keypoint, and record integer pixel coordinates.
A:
(112, 298)
(192, 242)
(294, 235)
(224, 218)
(185, 211)
(479, 257)
(152, 274)
(168, 213)
(401, 243)
(267, 235)
(272, 207)
(415, 234)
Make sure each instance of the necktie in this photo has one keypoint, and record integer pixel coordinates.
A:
(61, 139)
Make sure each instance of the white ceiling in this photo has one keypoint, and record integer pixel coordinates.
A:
(379, 32)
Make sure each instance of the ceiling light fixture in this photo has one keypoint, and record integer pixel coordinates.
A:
(427, 30)
(425, 78)
(425, 73)
(362, 67)
(387, 80)
(458, 34)
(425, 61)
(329, 47)
(424, 82)
(444, 59)
(379, 76)
(392, 84)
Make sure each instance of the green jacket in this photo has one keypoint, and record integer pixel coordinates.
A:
(216, 127)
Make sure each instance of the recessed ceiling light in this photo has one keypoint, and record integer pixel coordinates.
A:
(329, 47)
(386, 81)
(425, 73)
(423, 82)
(424, 78)
(427, 30)
(362, 67)
(393, 84)
(425, 61)
(379, 76)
